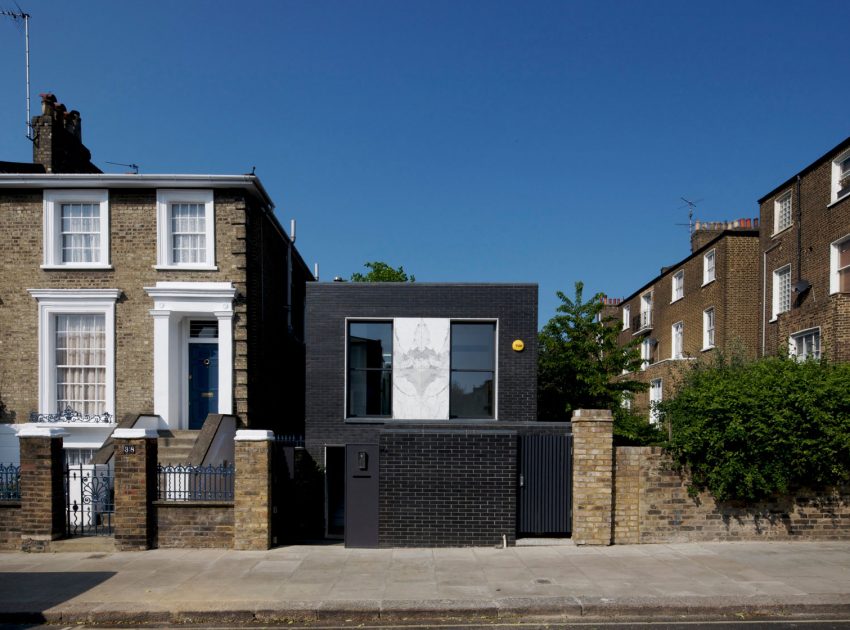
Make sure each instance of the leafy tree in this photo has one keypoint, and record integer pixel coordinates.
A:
(580, 359)
(750, 430)
(382, 272)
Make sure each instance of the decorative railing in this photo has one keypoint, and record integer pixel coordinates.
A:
(10, 482)
(289, 440)
(70, 415)
(195, 483)
(643, 321)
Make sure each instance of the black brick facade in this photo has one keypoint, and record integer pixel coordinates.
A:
(444, 487)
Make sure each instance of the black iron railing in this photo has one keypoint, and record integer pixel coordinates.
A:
(195, 483)
(10, 482)
(70, 415)
(89, 499)
(289, 440)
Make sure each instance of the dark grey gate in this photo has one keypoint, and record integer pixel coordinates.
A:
(545, 478)
(361, 495)
(89, 500)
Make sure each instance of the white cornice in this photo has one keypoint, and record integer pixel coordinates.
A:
(75, 294)
(86, 180)
(195, 290)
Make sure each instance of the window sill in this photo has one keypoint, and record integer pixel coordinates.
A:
(705, 284)
(773, 320)
(77, 267)
(707, 348)
(678, 299)
(783, 230)
(839, 200)
(186, 267)
(372, 420)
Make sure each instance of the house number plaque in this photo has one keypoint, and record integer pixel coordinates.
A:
(129, 450)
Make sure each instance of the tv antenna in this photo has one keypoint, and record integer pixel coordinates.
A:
(691, 206)
(17, 17)
(135, 167)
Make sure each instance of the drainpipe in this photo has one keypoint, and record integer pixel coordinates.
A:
(799, 234)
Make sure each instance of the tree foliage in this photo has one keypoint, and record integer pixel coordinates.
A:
(382, 272)
(752, 430)
(579, 362)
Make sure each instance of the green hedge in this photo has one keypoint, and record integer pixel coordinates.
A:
(754, 430)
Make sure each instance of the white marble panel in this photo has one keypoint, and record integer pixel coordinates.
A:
(421, 364)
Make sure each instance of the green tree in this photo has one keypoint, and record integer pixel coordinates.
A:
(382, 272)
(580, 360)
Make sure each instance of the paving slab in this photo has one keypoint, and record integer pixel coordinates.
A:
(329, 582)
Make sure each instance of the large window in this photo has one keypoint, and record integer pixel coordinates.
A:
(841, 177)
(76, 350)
(678, 334)
(782, 212)
(645, 352)
(678, 285)
(473, 370)
(370, 369)
(185, 229)
(655, 397)
(805, 344)
(708, 328)
(839, 278)
(627, 317)
(708, 263)
(76, 229)
(781, 290)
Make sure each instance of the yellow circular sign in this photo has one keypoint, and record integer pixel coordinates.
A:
(518, 345)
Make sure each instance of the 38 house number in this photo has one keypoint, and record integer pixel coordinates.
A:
(129, 450)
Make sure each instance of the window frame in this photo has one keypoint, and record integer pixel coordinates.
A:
(836, 178)
(627, 316)
(346, 403)
(705, 276)
(653, 411)
(677, 286)
(52, 227)
(793, 338)
(54, 302)
(775, 291)
(495, 324)
(834, 284)
(777, 208)
(164, 246)
(677, 335)
(645, 353)
(708, 344)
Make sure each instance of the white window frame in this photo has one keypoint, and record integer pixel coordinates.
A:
(706, 276)
(777, 206)
(645, 353)
(53, 302)
(777, 274)
(709, 333)
(627, 316)
(52, 227)
(834, 284)
(677, 340)
(836, 174)
(655, 385)
(799, 335)
(164, 249)
(677, 286)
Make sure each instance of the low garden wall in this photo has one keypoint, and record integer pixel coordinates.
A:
(10, 525)
(194, 524)
(651, 505)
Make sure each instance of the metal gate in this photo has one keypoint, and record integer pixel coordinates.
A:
(89, 500)
(545, 479)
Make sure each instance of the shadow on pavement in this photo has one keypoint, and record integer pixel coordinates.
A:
(25, 597)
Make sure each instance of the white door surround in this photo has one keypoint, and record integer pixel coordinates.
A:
(174, 303)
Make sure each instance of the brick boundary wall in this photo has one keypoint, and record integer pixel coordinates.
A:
(652, 505)
(593, 476)
(42, 513)
(194, 524)
(135, 488)
(10, 525)
(252, 511)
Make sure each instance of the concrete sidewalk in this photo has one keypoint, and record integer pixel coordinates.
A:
(333, 584)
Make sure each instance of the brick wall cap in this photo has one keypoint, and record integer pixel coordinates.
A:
(134, 434)
(597, 415)
(32, 429)
(253, 435)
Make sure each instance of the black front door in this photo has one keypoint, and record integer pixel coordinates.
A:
(361, 495)
(545, 477)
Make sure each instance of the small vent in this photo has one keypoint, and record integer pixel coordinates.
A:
(203, 330)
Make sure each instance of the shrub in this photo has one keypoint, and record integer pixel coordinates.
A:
(753, 430)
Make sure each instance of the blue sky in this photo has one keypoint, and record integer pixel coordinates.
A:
(466, 140)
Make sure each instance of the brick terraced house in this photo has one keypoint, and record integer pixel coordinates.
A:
(173, 302)
(703, 302)
(421, 409)
(805, 260)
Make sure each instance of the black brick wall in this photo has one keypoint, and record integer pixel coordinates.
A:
(328, 304)
(447, 488)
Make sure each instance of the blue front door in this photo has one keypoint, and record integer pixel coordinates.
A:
(203, 382)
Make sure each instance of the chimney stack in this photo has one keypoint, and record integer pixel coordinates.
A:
(58, 139)
(704, 231)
